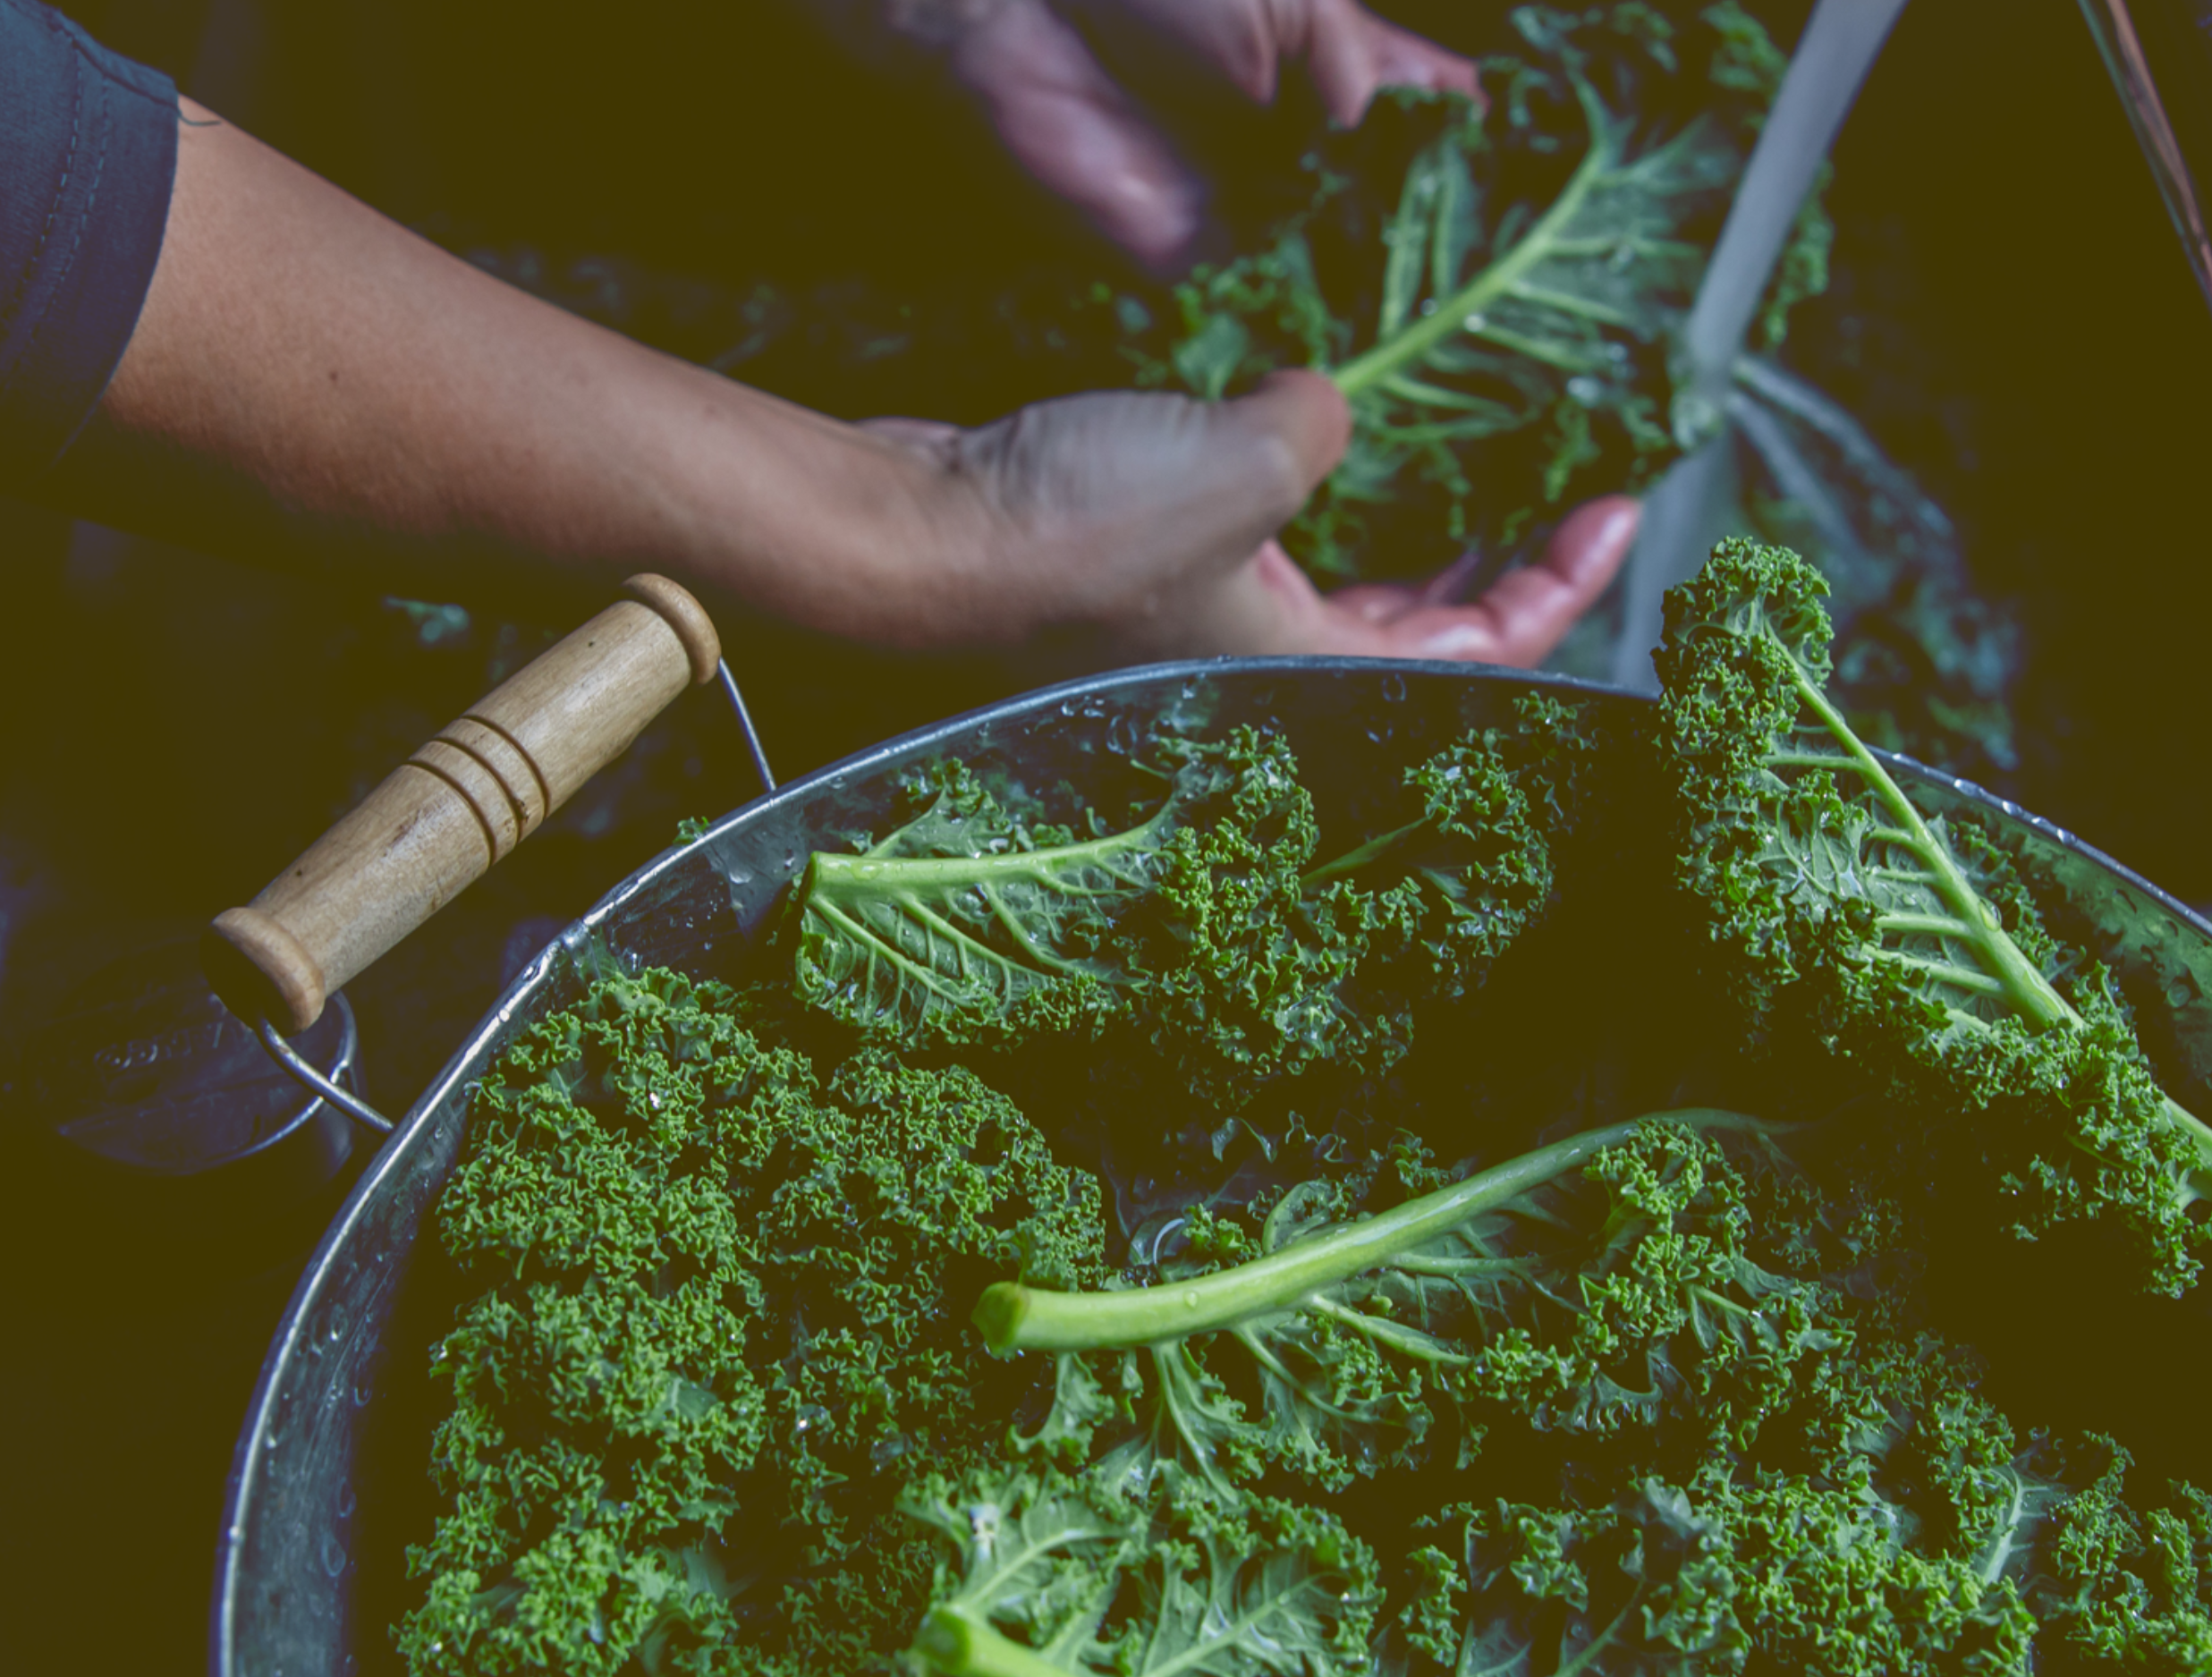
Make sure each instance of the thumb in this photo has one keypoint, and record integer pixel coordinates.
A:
(1307, 413)
(1171, 485)
(1255, 458)
(1244, 467)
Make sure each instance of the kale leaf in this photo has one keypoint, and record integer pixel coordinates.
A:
(1504, 329)
(1070, 1575)
(716, 1333)
(1206, 934)
(1910, 945)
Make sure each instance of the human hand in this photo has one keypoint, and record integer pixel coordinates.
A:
(1075, 126)
(1118, 526)
(380, 405)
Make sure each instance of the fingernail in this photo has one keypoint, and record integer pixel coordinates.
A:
(1604, 545)
(1461, 640)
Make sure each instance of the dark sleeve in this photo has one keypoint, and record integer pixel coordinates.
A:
(87, 155)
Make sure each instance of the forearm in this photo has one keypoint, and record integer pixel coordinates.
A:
(309, 383)
(308, 378)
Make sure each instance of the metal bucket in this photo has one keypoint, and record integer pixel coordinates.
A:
(328, 1481)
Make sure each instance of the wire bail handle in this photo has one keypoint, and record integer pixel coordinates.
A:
(452, 810)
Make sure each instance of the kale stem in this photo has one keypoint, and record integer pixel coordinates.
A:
(1412, 345)
(2015, 978)
(1015, 1317)
(953, 1642)
(2027, 990)
(1903, 841)
(2195, 1129)
(2000, 1551)
(1352, 860)
(871, 875)
(1950, 972)
(1933, 924)
(877, 945)
(1413, 1343)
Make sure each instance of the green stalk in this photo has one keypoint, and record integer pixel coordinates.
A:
(871, 875)
(1412, 345)
(1015, 1317)
(1352, 860)
(2000, 1551)
(2027, 990)
(955, 1644)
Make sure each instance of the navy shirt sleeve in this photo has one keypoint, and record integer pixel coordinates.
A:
(88, 155)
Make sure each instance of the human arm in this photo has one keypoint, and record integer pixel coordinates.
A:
(308, 378)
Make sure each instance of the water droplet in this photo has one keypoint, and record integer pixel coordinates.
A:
(345, 1499)
(334, 1555)
(362, 1391)
(1190, 1299)
(1474, 323)
(1393, 689)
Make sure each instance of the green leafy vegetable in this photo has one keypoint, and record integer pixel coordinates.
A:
(713, 1284)
(1912, 946)
(1367, 1338)
(1207, 928)
(1070, 1576)
(1593, 1284)
(1503, 332)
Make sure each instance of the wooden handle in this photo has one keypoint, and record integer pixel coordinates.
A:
(457, 806)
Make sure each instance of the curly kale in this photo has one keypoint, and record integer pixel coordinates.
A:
(1594, 1284)
(719, 1332)
(1206, 933)
(971, 920)
(1497, 290)
(1680, 1395)
(1747, 1566)
(2126, 1585)
(1907, 944)
(1639, 1587)
(1070, 1575)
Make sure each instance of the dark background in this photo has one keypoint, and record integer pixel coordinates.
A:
(2012, 317)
